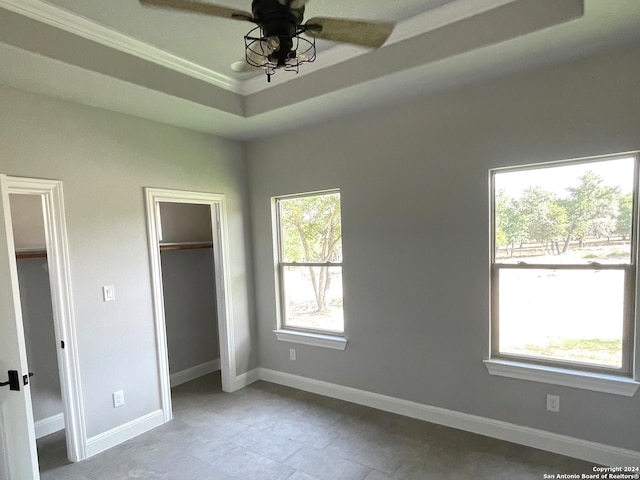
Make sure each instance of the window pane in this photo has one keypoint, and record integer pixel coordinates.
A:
(577, 213)
(310, 229)
(313, 298)
(570, 315)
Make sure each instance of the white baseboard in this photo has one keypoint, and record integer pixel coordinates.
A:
(124, 432)
(531, 437)
(49, 425)
(245, 379)
(192, 373)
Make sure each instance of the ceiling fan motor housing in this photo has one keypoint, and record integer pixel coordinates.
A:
(278, 20)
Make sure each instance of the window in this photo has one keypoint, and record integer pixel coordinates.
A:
(564, 264)
(309, 254)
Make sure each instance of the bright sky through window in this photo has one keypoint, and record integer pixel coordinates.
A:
(556, 179)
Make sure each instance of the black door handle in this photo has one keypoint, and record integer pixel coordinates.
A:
(14, 380)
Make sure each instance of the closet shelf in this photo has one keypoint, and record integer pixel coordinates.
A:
(185, 246)
(31, 254)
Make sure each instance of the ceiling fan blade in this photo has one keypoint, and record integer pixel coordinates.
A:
(200, 7)
(366, 34)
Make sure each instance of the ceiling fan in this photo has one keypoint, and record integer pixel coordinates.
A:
(277, 42)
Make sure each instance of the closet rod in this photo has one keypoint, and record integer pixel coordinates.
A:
(185, 246)
(31, 254)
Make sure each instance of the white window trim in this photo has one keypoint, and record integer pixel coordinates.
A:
(335, 342)
(587, 380)
(597, 382)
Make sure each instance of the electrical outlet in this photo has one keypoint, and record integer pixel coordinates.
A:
(118, 398)
(292, 354)
(553, 403)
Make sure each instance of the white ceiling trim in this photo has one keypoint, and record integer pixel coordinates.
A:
(83, 27)
(443, 15)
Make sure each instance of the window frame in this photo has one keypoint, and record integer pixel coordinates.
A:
(323, 337)
(630, 269)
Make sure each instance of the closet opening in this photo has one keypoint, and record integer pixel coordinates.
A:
(39, 328)
(186, 232)
(187, 262)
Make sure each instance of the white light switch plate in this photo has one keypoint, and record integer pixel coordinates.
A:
(108, 293)
(118, 398)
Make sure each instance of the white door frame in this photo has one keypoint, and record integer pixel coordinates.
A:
(62, 304)
(222, 275)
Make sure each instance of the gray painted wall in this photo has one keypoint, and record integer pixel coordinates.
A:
(185, 222)
(190, 308)
(415, 211)
(37, 315)
(104, 160)
(28, 222)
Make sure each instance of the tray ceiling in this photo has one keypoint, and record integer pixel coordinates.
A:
(175, 67)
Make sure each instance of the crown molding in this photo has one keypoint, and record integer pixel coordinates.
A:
(85, 28)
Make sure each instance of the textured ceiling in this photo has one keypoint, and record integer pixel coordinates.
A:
(174, 67)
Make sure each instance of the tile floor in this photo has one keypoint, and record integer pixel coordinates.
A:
(270, 432)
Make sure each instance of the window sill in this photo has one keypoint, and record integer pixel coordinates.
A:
(559, 376)
(316, 339)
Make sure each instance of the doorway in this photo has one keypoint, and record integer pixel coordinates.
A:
(188, 285)
(211, 237)
(41, 251)
(37, 318)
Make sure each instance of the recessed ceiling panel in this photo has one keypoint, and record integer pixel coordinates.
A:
(216, 43)
(81, 50)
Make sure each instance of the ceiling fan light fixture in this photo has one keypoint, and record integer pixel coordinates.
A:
(273, 43)
(276, 42)
(259, 51)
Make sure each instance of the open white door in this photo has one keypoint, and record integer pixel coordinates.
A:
(18, 454)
